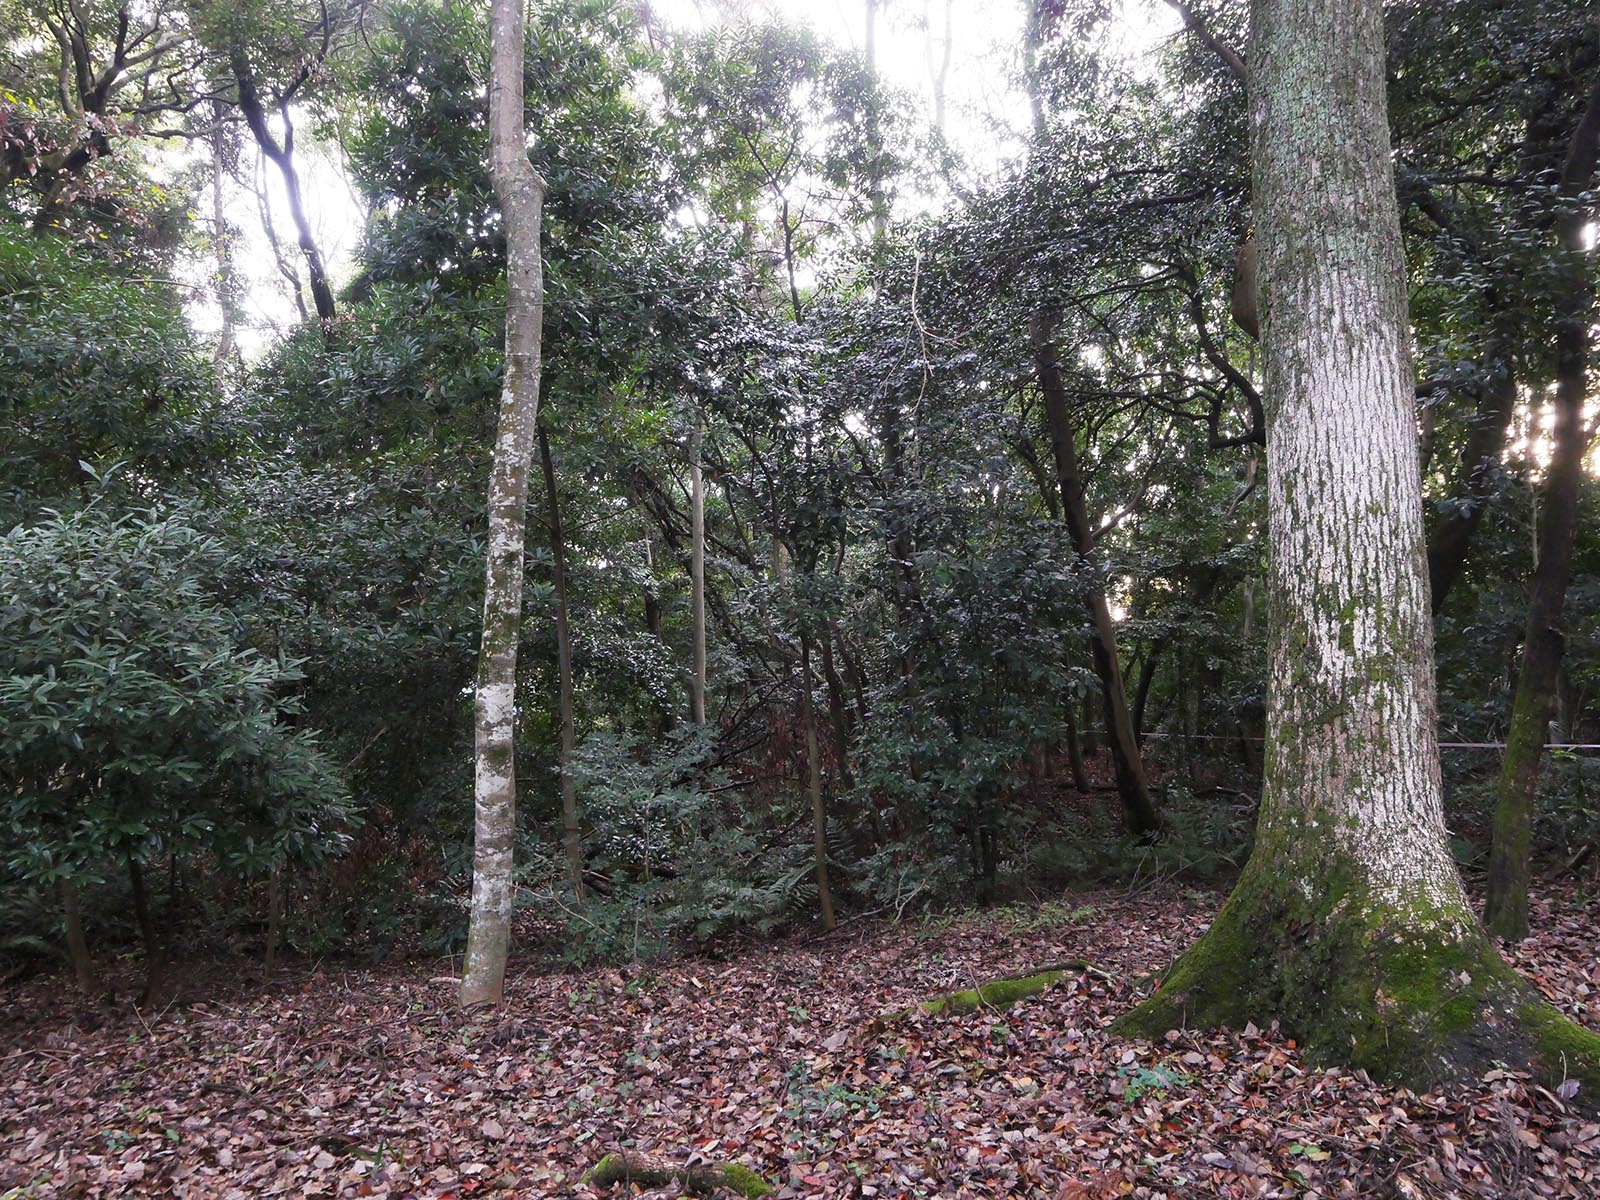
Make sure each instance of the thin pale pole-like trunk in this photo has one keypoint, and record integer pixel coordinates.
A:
(521, 194)
(697, 574)
(1349, 924)
(222, 242)
(1543, 642)
(819, 810)
(571, 840)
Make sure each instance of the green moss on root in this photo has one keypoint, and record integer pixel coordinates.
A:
(997, 993)
(618, 1167)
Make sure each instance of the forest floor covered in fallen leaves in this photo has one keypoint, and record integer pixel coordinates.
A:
(330, 1081)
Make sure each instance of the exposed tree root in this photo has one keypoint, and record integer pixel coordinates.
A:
(996, 994)
(629, 1166)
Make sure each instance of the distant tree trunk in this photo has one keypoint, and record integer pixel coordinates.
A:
(837, 715)
(697, 574)
(571, 839)
(652, 602)
(819, 811)
(1080, 774)
(1474, 486)
(222, 244)
(269, 960)
(521, 194)
(1139, 809)
(155, 953)
(282, 156)
(77, 945)
(938, 72)
(1543, 641)
(1349, 923)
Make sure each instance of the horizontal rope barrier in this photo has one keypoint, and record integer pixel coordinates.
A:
(1222, 737)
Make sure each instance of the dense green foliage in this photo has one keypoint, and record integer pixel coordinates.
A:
(239, 605)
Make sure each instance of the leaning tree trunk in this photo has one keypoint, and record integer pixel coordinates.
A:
(1537, 680)
(1349, 924)
(571, 836)
(521, 194)
(1138, 807)
(282, 155)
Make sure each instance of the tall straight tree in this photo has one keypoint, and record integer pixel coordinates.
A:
(1349, 923)
(1507, 908)
(520, 191)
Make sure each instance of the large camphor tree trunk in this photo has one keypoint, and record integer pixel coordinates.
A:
(521, 194)
(1537, 678)
(1349, 923)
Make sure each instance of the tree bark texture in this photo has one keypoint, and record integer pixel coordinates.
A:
(1349, 924)
(520, 191)
(571, 837)
(1543, 642)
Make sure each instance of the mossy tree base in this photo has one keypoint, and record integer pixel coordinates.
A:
(627, 1166)
(1413, 993)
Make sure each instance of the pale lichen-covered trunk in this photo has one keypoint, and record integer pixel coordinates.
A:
(1349, 924)
(697, 574)
(521, 194)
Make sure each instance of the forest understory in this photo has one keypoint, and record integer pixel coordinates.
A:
(333, 1080)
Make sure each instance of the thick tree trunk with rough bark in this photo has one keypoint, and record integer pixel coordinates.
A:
(571, 838)
(1349, 924)
(521, 194)
(1543, 642)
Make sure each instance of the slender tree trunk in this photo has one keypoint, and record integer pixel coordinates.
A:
(1544, 639)
(571, 840)
(521, 194)
(155, 954)
(1349, 924)
(697, 575)
(837, 715)
(1139, 809)
(819, 811)
(269, 960)
(282, 155)
(77, 945)
(222, 243)
(1080, 773)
